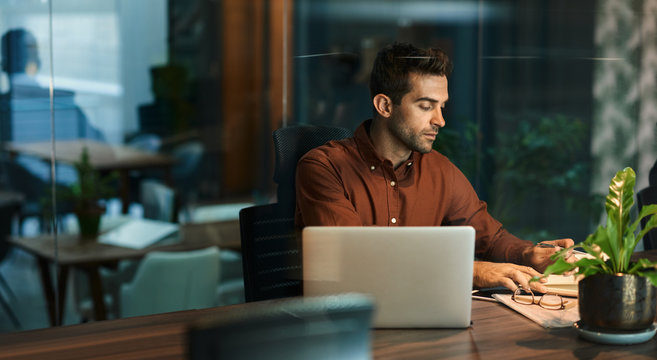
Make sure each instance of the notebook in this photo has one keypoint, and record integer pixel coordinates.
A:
(420, 277)
(138, 233)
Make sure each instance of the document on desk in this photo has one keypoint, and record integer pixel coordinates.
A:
(565, 285)
(138, 233)
(547, 318)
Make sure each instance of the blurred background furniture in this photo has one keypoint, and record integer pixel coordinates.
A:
(91, 256)
(10, 203)
(186, 173)
(172, 281)
(34, 191)
(644, 197)
(103, 157)
(271, 248)
(159, 201)
(330, 327)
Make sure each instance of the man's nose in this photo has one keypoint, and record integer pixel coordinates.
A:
(437, 119)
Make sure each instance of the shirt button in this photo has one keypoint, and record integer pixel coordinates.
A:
(393, 220)
(409, 164)
(372, 167)
(393, 183)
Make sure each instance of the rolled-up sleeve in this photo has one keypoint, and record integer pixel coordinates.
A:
(494, 243)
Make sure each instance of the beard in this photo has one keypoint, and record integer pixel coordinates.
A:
(414, 141)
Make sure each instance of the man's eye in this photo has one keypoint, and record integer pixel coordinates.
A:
(425, 107)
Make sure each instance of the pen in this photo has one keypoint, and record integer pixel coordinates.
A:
(546, 245)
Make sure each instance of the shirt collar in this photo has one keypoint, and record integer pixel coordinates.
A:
(367, 150)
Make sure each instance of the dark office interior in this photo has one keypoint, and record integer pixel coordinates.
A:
(548, 99)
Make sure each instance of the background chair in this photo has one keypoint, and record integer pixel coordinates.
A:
(172, 281)
(330, 327)
(9, 205)
(186, 173)
(271, 249)
(160, 202)
(648, 196)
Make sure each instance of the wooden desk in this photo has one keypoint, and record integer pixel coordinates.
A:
(497, 333)
(102, 156)
(89, 256)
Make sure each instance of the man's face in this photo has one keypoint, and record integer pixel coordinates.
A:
(416, 121)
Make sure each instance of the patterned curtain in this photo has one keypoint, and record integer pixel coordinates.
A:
(624, 90)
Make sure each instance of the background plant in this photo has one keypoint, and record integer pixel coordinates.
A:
(536, 157)
(91, 186)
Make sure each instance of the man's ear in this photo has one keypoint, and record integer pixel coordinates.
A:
(383, 105)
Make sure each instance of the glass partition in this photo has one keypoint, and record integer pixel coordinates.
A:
(548, 99)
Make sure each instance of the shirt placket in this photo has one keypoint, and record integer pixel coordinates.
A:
(392, 195)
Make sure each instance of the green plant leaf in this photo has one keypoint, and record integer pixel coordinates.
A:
(599, 239)
(651, 275)
(648, 210)
(560, 266)
(643, 264)
(617, 239)
(618, 204)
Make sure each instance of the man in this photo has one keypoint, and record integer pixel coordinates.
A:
(389, 175)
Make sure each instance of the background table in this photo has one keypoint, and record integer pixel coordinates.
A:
(102, 156)
(89, 256)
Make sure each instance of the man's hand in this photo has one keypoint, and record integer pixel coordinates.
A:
(538, 256)
(489, 274)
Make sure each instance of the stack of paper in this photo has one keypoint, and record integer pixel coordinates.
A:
(563, 285)
(545, 317)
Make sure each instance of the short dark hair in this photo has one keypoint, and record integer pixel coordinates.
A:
(395, 62)
(19, 48)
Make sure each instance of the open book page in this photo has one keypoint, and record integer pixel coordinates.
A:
(544, 317)
(567, 285)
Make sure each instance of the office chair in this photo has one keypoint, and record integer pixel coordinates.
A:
(172, 281)
(327, 327)
(271, 249)
(290, 144)
(648, 196)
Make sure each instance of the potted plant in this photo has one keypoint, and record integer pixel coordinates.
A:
(616, 293)
(86, 195)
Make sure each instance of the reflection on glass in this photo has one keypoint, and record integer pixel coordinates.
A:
(541, 107)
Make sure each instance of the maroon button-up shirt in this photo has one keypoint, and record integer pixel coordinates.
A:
(346, 183)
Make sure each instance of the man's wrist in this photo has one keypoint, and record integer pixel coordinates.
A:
(527, 255)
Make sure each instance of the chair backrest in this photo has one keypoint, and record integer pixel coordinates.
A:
(290, 144)
(271, 249)
(159, 201)
(648, 196)
(330, 327)
(271, 253)
(172, 281)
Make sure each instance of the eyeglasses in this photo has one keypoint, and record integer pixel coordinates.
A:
(547, 301)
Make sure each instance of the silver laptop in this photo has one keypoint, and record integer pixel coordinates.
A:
(420, 277)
